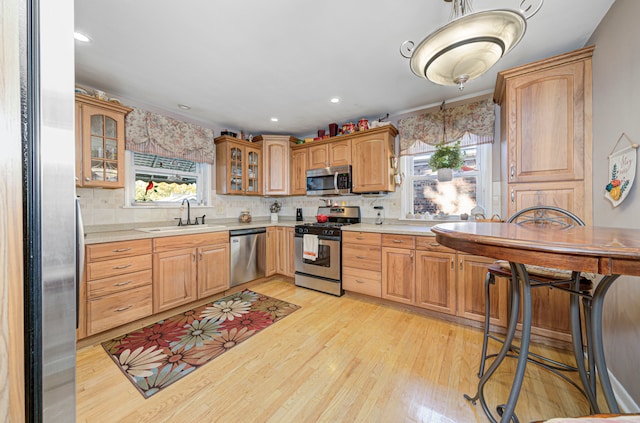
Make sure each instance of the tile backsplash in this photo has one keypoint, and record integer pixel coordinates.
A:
(106, 207)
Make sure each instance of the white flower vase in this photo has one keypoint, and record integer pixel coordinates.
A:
(445, 174)
(274, 217)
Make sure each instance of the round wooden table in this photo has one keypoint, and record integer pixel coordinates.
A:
(609, 252)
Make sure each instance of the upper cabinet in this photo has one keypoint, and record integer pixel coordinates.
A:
(546, 132)
(299, 164)
(276, 150)
(238, 166)
(99, 142)
(371, 154)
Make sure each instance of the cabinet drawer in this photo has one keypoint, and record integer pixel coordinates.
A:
(189, 241)
(361, 238)
(429, 243)
(113, 250)
(362, 256)
(112, 285)
(120, 266)
(398, 241)
(363, 281)
(118, 309)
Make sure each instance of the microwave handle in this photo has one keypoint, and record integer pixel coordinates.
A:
(335, 183)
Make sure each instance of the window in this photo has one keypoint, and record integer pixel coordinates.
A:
(422, 192)
(157, 180)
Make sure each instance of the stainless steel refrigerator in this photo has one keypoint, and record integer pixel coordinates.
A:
(46, 50)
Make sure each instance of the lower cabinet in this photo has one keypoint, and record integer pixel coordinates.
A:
(472, 271)
(362, 263)
(398, 275)
(118, 286)
(280, 251)
(189, 267)
(272, 251)
(436, 281)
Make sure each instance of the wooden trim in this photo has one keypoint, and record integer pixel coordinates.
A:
(109, 105)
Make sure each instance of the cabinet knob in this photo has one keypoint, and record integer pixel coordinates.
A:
(87, 179)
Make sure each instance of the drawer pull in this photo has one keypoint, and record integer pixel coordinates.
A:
(120, 250)
(359, 281)
(434, 244)
(118, 310)
(361, 257)
(397, 241)
(360, 238)
(122, 283)
(124, 266)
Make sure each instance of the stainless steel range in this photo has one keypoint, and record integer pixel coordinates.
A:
(318, 250)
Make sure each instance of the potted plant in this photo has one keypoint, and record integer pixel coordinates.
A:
(445, 159)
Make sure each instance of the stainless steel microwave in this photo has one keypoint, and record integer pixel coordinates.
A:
(334, 180)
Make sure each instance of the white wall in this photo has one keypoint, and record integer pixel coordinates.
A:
(616, 109)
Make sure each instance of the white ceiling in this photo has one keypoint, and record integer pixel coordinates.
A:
(239, 63)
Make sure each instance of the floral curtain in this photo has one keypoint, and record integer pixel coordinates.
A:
(152, 133)
(471, 124)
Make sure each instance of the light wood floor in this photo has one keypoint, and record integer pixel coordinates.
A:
(344, 359)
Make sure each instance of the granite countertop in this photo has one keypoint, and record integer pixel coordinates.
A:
(128, 232)
(410, 229)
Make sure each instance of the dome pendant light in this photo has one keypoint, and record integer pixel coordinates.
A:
(468, 46)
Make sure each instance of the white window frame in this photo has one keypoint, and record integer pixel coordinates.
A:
(203, 182)
(484, 154)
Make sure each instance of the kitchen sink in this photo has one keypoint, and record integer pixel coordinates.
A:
(180, 229)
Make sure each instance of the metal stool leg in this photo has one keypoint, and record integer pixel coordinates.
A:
(489, 280)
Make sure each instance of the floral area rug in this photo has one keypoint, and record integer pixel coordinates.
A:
(156, 356)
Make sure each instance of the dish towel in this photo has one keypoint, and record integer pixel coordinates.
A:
(310, 247)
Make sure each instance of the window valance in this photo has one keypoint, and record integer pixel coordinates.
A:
(152, 133)
(471, 124)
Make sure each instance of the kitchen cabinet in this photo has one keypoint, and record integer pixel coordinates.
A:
(299, 165)
(272, 251)
(336, 153)
(238, 166)
(545, 130)
(472, 271)
(362, 263)
(398, 268)
(100, 136)
(371, 153)
(188, 267)
(435, 276)
(285, 264)
(276, 150)
(118, 285)
(318, 156)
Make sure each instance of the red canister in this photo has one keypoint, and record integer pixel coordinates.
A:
(363, 124)
(349, 128)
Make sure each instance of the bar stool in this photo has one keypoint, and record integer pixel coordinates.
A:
(544, 277)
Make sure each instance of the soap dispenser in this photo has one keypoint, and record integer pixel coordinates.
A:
(379, 214)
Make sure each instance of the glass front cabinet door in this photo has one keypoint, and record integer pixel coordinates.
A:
(99, 142)
(238, 167)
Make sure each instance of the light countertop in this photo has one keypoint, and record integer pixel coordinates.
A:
(391, 228)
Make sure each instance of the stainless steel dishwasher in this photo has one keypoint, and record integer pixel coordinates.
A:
(248, 254)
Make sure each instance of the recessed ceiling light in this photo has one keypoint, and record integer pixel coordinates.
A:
(184, 107)
(335, 100)
(81, 37)
(274, 119)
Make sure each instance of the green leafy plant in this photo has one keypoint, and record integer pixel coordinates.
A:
(447, 156)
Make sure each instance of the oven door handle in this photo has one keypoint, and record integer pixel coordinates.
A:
(335, 183)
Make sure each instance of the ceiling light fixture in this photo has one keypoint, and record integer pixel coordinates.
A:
(335, 100)
(81, 37)
(469, 45)
(274, 119)
(184, 107)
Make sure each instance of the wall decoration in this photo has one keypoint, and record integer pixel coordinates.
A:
(622, 171)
